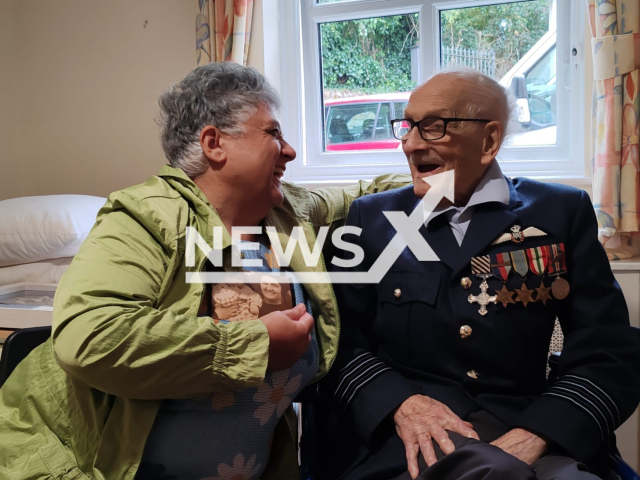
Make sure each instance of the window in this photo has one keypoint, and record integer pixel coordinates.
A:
(540, 105)
(359, 60)
(511, 43)
(399, 109)
(383, 123)
(366, 60)
(541, 91)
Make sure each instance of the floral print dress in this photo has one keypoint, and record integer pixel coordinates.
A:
(226, 435)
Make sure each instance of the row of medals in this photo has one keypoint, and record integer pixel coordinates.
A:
(559, 288)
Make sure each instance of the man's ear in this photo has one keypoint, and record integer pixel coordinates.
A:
(210, 143)
(494, 134)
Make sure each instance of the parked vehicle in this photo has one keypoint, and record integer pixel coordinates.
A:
(363, 123)
(533, 82)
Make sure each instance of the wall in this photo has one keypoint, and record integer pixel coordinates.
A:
(9, 186)
(627, 274)
(89, 77)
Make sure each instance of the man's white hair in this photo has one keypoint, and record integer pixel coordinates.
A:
(488, 90)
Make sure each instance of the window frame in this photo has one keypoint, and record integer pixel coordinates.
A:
(303, 110)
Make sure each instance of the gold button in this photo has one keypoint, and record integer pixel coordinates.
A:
(465, 331)
(465, 283)
(473, 374)
(397, 292)
(241, 254)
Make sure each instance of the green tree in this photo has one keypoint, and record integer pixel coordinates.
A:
(510, 30)
(371, 55)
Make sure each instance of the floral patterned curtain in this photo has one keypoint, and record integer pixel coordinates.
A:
(223, 31)
(615, 27)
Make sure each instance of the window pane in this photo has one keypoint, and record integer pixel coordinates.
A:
(399, 109)
(383, 124)
(372, 62)
(541, 89)
(351, 123)
(514, 43)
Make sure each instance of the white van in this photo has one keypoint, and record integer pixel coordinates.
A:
(533, 82)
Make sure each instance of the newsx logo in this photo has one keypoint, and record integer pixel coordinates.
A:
(407, 235)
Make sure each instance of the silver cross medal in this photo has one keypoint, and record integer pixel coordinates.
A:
(481, 268)
(483, 299)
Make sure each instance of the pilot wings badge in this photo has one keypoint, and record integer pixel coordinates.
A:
(517, 235)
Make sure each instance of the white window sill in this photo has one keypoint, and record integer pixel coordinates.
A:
(625, 265)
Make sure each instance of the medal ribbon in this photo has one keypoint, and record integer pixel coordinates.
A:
(501, 265)
(538, 260)
(556, 258)
(481, 266)
(519, 262)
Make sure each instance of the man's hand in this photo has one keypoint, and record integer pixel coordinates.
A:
(522, 444)
(289, 336)
(420, 419)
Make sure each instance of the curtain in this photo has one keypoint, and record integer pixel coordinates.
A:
(223, 31)
(615, 27)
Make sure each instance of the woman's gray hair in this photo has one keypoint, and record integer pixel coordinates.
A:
(222, 94)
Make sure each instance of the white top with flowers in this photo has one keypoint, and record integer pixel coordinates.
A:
(226, 435)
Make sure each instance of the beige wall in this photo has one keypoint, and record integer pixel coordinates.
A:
(88, 77)
(9, 186)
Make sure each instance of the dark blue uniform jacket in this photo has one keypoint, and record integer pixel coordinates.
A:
(402, 336)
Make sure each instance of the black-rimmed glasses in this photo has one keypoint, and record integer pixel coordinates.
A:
(430, 128)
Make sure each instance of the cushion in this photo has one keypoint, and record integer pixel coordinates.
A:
(33, 229)
(49, 271)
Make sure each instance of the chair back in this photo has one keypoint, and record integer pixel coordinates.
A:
(17, 346)
(622, 468)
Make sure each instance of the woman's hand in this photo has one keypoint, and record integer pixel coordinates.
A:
(289, 336)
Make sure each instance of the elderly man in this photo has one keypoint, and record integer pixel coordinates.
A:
(138, 379)
(442, 365)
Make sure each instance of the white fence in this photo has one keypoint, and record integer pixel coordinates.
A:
(483, 61)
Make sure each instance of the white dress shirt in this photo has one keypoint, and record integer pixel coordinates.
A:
(492, 188)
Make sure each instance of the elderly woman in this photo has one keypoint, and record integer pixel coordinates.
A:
(138, 381)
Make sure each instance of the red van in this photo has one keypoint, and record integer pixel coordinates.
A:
(363, 123)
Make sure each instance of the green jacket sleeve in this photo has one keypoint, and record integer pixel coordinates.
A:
(331, 204)
(109, 332)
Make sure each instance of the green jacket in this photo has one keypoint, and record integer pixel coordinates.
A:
(126, 334)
